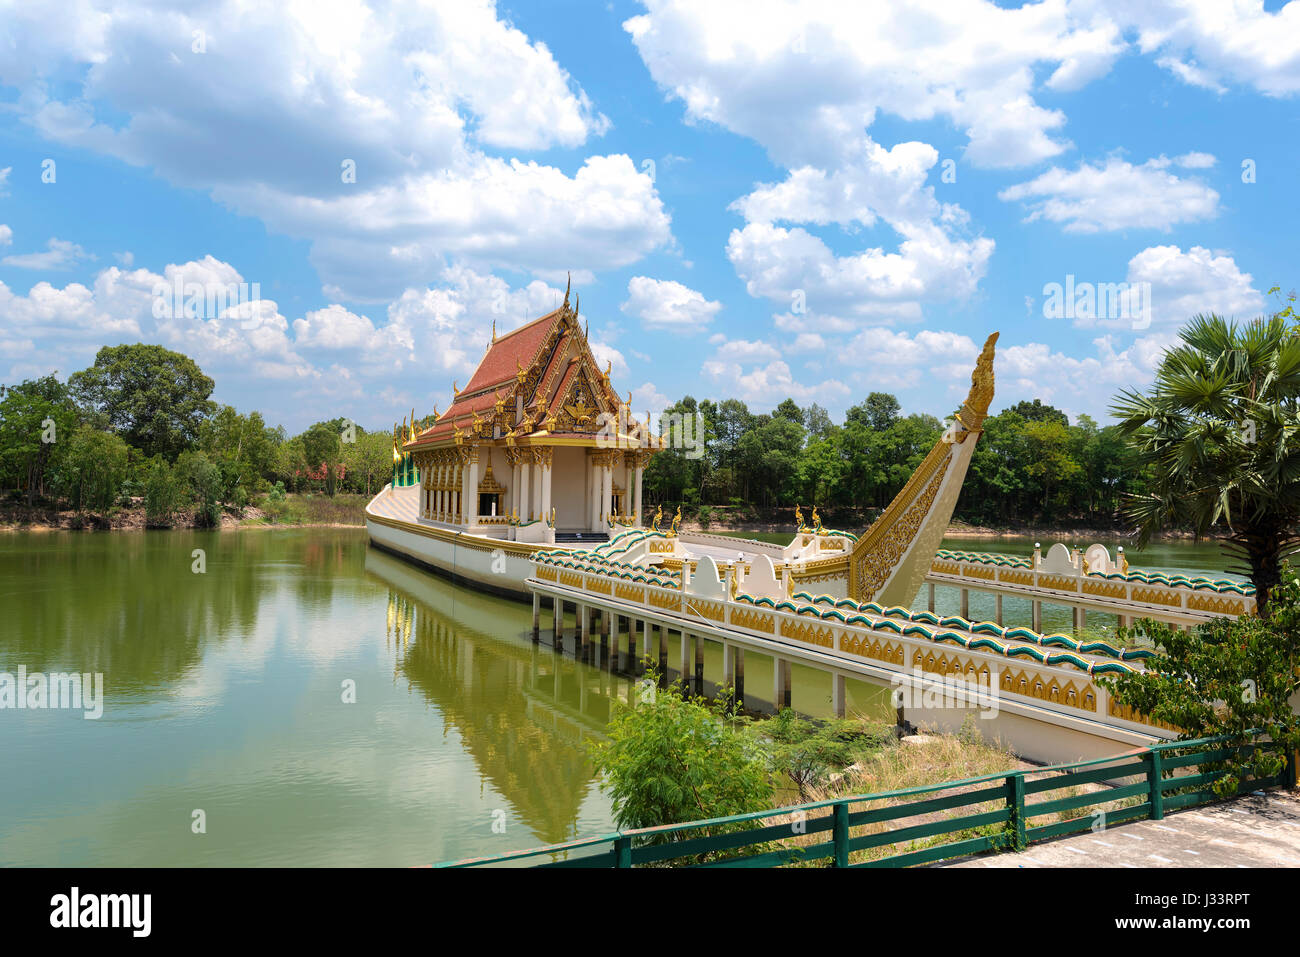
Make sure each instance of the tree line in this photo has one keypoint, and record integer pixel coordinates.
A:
(1031, 466)
(139, 427)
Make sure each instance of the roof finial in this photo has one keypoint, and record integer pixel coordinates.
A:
(567, 286)
(494, 330)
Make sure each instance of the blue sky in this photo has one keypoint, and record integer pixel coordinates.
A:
(756, 200)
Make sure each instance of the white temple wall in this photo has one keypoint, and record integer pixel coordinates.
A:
(569, 487)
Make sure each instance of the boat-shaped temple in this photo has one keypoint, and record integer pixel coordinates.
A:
(539, 451)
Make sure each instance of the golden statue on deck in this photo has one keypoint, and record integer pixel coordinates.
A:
(677, 520)
(654, 522)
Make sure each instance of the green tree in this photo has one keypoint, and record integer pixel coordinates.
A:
(879, 411)
(323, 449)
(165, 493)
(369, 460)
(1039, 411)
(203, 479)
(35, 416)
(242, 447)
(1224, 677)
(669, 759)
(1219, 431)
(92, 469)
(154, 398)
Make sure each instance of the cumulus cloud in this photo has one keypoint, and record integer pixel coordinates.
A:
(1184, 284)
(1211, 44)
(326, 362)
(366, 129)
(1118, 195)
(6, 235)
(666, 304)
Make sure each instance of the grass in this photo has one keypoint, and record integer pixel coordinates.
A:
(310, 509)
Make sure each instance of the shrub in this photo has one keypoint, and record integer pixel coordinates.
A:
(670, 758)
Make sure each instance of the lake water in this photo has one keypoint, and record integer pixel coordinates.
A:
(226, 704)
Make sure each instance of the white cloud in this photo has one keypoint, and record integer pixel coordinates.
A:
(768, 384)
(1184, 284)
(1077, 383)
(409, 95)
(804, 79)
(327, 362)
(912, 359)
(742, 350)
(795, 268)
(648, 399)
(6, 235)
(1118, 195)
(663, 303)
(59, 254)
(1195, 160)
(1209, 43)
(4, 180)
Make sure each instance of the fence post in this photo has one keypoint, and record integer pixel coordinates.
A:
(622, 851)
(1016, 809)
(841, 833)
(1155, 795)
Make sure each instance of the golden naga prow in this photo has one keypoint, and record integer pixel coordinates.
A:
(889, 561)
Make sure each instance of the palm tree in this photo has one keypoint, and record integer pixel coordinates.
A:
(1220, 435)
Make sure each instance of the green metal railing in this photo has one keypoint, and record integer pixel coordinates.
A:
(825, 829)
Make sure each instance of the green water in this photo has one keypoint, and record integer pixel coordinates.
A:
(225, 693)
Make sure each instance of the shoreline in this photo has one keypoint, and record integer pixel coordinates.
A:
(68, 523)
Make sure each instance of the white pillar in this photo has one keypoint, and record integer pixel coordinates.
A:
(536, 495)
(472, 491)
(838, 695)
(546, 489)
(636, 501)
(525, 477)
(607, 493)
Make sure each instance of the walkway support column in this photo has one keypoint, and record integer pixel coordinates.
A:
(686, 658)
(1036, 615)
(965, 603)
(997, 601)
(780, 683)
(537, 613)
(838, 695)
(739, 673)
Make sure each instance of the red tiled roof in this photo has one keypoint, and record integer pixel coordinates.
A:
(496, 373)
(521, 345)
